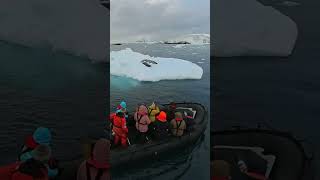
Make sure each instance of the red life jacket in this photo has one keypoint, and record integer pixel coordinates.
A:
(119, 126)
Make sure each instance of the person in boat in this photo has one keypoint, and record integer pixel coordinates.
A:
(123, 108)
(161, 126)
(120, 129)
(31, 169)
(153, 111)
(97, 167)
(142, 123)
(171, 110)
(189, 121)
(178, 125)
(220, 170)
(41, 136)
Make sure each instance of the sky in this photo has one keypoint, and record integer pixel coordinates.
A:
(132, 20)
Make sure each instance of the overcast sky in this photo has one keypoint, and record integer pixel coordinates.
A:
(133, 20)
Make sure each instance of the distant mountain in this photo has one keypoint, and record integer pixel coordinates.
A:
(190, 39)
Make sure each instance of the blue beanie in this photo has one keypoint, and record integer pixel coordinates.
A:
(123, 104)
(42, 135)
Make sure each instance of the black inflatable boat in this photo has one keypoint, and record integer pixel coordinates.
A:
(277, 155)
(150, 150)
(156, 148)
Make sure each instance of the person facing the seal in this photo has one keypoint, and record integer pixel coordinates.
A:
(97, 167)
(142, 122)
(153, 111)
(178, 125)
(161, 126)
(120, 129)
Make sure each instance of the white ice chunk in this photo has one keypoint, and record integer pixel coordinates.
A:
(127, 63)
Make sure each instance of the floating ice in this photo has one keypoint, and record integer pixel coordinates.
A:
(248, 28)
(77, 26)
(127, 63)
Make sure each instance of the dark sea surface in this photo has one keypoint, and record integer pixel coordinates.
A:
(281, 92)
(190, 163)
(38, 87)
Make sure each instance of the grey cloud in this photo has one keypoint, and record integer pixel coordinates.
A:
(133, 20)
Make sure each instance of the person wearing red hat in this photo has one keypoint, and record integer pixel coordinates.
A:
(120, 129)
(178, 125)
(161, 126)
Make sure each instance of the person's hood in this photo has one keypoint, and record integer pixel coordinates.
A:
(162, 117)
(101, 154)
(142, 110)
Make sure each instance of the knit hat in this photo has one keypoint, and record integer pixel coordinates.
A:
(123, 104)
(42, 135)
(178, 116)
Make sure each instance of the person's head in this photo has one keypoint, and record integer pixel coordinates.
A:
(173, 105)
(162, 117)
(42, 135)
(178, 116)
(100, 156)
(123, 105)
(142, 110)
(220, 169)
(31, 170)
(41, 153)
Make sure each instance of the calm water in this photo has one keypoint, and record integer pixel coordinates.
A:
(283, 92)
(181, 165)
(65, 93)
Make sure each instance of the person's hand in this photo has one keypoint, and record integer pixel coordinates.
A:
(242, 166)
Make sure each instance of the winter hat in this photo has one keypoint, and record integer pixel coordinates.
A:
(178, 116)
(41, 153)
(42, 135)
(162, 116)
(123, 104)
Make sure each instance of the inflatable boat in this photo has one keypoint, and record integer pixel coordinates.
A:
(137, 152)
(151, 149)
(275, 154)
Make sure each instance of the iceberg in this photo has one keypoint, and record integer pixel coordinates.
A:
(248, 28)
(79, 27)
(127, 63)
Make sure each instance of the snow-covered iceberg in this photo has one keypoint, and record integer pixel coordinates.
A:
(248, 28)
(80, 27)
(127, 63)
